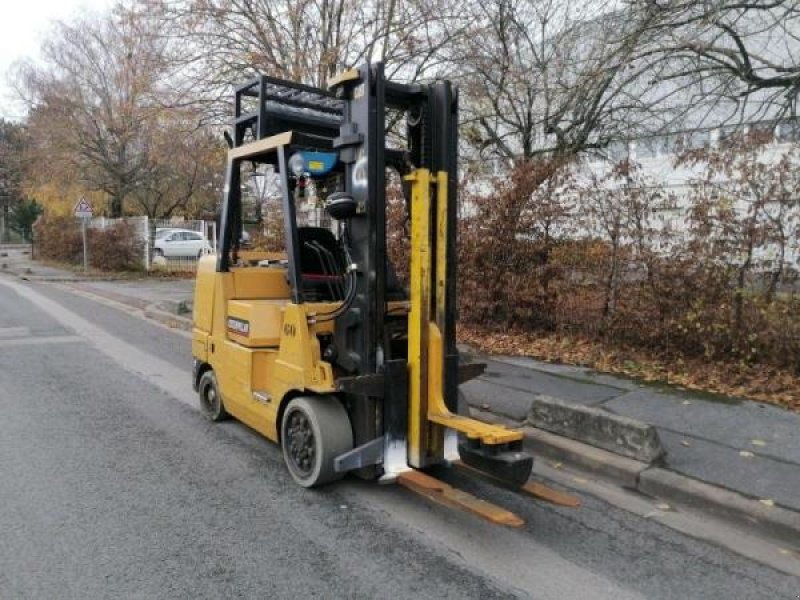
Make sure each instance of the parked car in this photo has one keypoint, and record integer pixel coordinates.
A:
(163, 231)
(173, 243)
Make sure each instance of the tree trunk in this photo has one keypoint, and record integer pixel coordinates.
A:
(116, 206)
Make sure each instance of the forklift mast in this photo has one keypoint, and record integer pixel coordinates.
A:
(402, 398)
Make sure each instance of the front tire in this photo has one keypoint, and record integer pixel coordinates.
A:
(211, 404)
(314, 431)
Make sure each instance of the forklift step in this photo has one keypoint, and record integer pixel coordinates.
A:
(446, 495)
(508, 463)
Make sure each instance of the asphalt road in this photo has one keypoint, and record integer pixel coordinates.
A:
(114, 486)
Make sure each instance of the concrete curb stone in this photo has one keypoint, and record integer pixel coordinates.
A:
(597, 427)
(747, 513)
(607, 465)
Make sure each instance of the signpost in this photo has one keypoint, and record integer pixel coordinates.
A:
(83, 211)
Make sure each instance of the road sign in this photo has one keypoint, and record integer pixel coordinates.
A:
(83, 210)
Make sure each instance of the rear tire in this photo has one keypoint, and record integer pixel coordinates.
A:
(314, 431)
(211, 404)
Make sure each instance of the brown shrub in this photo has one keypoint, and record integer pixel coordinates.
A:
(59, 238)
(694, 302)
(116, 248)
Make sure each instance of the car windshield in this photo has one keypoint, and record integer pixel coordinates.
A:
(160, 233)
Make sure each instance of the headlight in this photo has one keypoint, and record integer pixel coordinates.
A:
(297, 164)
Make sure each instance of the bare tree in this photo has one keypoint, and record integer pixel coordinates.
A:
(227, 41)
(741, 57)
(95, 101)
(183, 171)
(551, 78)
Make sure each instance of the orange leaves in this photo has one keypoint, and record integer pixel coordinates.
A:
(756, 382)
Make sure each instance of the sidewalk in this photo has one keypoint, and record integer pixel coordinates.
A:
(163, 300)
(704, 435)
(731, 457)
(16, 260)
(728, 458)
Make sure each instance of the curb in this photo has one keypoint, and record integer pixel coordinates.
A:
(621, 470)
(165, 318)
(150, 311)
(779, 522)
(130, 301)
(741, 511)
(597, 427)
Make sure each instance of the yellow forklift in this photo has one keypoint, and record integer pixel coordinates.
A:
(318, 347)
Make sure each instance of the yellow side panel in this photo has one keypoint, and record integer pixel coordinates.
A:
(263, 364)
(255, 323)
(299, 365)
(262, 283)
(233, 368)
(202, 311)
(240, 371)
(200, 345)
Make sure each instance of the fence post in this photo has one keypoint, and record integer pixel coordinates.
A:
(146, 243)
(84, 223)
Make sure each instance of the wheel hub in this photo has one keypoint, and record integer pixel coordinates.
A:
(209, 395)
(302, 449)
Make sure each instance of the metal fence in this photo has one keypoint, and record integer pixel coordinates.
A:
(176, 244)
(168, 244)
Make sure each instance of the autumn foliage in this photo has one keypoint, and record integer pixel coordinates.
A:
(115, 248)
(545, 256)
(533, 259)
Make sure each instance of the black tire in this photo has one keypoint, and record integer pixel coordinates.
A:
(158, 252)
(211, 404)
(314, 431)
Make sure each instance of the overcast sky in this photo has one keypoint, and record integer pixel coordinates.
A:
(23, 26)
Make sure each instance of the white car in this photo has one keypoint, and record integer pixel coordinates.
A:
(173, 243)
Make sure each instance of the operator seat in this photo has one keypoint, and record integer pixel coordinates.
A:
(323, 266)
